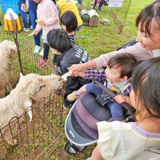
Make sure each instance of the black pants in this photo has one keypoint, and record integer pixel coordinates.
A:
(46, 51)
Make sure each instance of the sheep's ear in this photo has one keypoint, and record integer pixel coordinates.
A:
(21, 77)
(28, 104)
(13, 47)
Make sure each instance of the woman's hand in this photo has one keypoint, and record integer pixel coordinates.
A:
(82, 67)
(76, 67)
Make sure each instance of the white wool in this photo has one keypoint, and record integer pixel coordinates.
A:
(7, 51)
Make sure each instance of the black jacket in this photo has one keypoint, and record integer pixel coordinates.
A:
(75, 55)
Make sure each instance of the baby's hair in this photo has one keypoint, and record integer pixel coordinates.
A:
(146, 84)
(125, 61)
(69, 20)
(146, 16)
(59, 40)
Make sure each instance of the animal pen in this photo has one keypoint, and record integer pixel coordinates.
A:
(40, 137)
(119, 14)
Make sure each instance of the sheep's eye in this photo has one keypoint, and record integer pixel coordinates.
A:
(60, 79)
(39, 89)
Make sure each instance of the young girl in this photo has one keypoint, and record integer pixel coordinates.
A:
(69, 24)
(47, 19)
(135, 140)
(148, 46)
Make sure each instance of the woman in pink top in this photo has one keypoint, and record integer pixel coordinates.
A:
(47, 19)
(148, 46)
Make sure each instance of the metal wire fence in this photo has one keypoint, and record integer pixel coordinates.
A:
(119, 14)
(36, 139)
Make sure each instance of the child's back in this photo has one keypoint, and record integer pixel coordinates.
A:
(132, 142)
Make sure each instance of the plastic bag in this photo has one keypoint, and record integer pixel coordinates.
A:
(10, 18)
(10, 15)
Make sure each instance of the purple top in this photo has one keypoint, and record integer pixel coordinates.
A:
(143, 132)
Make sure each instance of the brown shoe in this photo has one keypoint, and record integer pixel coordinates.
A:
(72, 96)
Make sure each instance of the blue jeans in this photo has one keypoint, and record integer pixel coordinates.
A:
(116, 111)
(33, 17)
(94, 88)
(115, 108)
(24, 18)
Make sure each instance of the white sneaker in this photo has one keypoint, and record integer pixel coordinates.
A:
(26, 29)
(37, 49)
(41, 52)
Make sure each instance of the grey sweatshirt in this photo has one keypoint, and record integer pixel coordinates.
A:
(137, 51)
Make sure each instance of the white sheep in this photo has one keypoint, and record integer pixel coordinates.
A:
(7, 51)
(28, 91)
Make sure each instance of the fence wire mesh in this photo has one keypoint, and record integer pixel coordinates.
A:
(119, 14)
(36, 139)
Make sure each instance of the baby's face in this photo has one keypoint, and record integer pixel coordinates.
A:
(113, 75)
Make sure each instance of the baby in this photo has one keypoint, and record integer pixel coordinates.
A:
(117, 74)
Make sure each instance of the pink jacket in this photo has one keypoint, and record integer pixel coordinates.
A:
(137, 51)
(47, 11)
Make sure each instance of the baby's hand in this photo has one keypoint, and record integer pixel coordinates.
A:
(41, 23)
(120, 99)
(35, 32)
(78, 73)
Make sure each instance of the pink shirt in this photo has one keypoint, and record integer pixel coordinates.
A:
(47, 11)
(137, 51)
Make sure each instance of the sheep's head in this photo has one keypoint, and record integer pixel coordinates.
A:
(32, 87)
(9, 47)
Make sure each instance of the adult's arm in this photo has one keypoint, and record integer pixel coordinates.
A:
(83, 67)
(23, 5)
(137, 51)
